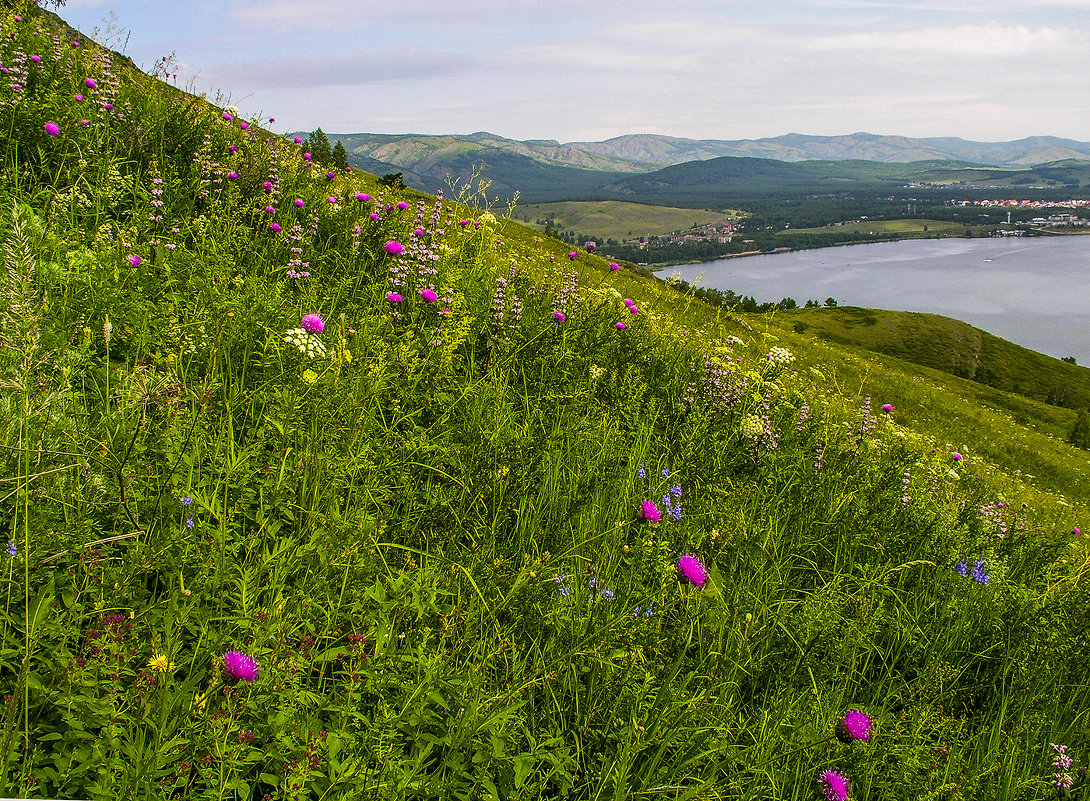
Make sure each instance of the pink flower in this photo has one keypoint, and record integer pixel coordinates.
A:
(428, 295)
(394, 248)
(621, 326)
(629, 302)
(374, 217)
(79, 98)
(36, 59)
(232, 148)
(855, 725)
(614, 266)
(275, 227)
(331, 199)
(109, 107)
(401, 204)
(272, 119)
(958, 457)
(226, 116)
(363, 197)
(243, 125)
(134, 260)
(331, 175)
(418, 232)
(298, 140)
(573, 255)
(463, 223)
(312, 323)
(649, 512)
(887, 407)
(559, 316)
(232, 175)
(691, 570)
(91, 83)
(52, 128)
(633, 309)
(393, 297)
(84, 123)
(307, 156)
(270, 210)
(300, 202)
(833, 785)
(237, 666)
(267, 186)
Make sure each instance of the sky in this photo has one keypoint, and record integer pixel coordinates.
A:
(588, 70)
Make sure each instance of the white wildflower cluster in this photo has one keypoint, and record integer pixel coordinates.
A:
(732, 340)
(753, 426)
(778, 357)
(307, 343)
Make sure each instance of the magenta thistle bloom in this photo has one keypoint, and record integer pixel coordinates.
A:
(270, 210)
(855, 725)
(232, 148)
(312, 323)
(463, 223)
(833, 785)
(331, 175)
(331, 199)
(52, 128)
(428, 295)
(300, 202)
(362, 196)
(394, 297)
(298, 140)
(559, 316)
(692, 570)
(226, 115)
(394, 248)
(887, 407)
(232, 175)
(275, 227)
(134, 261)
(237, 666)
(958, 457)
(267, 186)
(649, 512)
(634, 309)
(621, 326)
(307, 156)
(79, 98)
(614, 266)
(36, 59)
(401, 204)
(243, 125)
(573, 255)
(91, 83)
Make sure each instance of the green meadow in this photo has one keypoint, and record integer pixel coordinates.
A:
(313, 488)
(615, 219)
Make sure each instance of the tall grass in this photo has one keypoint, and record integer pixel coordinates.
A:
(427, 519)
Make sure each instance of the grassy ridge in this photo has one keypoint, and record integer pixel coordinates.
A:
(613, 219)
(318, 490)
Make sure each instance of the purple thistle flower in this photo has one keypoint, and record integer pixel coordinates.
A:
(833, 785)
(887, 407)
(36, 59)
(307, 156)
(401, 204)
(559, 316)
(649, 512)
(855, 725)
(621, 326)
(312, 324)
(298, 140)
(362, 197)
(463, 223)
(134, 260)
(331, 199)
(91, 83)
(692, 570)
(573, 255)
(52, 128)
(331, 175)
(428, 295)
(237, 667)
(300, 202)
(275, 227)
(232, 148)
(79, 98)
(394, 248)
(243, 125)
(394, 297)
(614, 266)
(958, 457)
(232, 175)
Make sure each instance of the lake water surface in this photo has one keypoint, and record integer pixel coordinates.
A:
(1035, 292)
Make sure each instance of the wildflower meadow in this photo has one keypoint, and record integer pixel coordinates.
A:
(317, 488)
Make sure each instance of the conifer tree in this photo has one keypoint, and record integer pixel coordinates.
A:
(1080, 434)
(319, 148)
(340, 156)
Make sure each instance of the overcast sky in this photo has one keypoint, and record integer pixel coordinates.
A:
(577, 70)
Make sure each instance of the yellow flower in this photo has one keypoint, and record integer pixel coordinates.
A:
(310, 376)
(161, 664)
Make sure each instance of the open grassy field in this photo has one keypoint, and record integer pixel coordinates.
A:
(909, 228)
(616, 219)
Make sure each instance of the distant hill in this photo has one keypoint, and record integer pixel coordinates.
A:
(634, 153)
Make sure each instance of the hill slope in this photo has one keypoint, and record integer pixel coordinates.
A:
(317, 489)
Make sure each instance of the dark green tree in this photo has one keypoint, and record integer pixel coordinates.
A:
(830, 303)
(319, 148)
(340, 156)
(1080, 434)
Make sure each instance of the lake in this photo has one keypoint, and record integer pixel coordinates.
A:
(1034, 292)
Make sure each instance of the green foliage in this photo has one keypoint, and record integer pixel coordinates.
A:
(401, 453)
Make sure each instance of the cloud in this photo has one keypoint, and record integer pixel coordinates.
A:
(356, 70)
(992, 40)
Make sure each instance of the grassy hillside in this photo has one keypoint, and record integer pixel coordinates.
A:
(313, 489)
